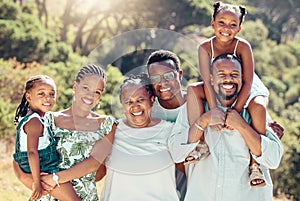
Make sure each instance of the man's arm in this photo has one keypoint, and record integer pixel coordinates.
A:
(272, 150)
(183, 142)
(251, 137)
(177, 144)
(267, 150)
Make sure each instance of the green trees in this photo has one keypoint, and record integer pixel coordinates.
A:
(25, 38)
(56, 37)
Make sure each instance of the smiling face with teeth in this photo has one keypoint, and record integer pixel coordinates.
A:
(41, 97)
(137, 104)
(167, 91)
(88, 91)
(226, 25)
(226, 80)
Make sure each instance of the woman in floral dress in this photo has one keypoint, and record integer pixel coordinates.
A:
(77, 129)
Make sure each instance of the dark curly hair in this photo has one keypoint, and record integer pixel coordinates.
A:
(167, 57)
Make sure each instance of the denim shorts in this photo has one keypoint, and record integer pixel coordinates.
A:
(49, 159)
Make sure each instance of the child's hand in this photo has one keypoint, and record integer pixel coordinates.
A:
(36, 190)
(217, 118)
(233, 119)
(217, 127)
(46, 188)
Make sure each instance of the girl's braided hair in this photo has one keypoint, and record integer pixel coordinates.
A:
(239, 10)
(23, 107)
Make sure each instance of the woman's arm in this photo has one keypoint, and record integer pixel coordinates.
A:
(246, 55)
(100, 151)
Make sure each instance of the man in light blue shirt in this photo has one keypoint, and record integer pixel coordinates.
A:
(223, 175)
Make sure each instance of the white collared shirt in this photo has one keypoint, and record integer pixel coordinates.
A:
(224, 174)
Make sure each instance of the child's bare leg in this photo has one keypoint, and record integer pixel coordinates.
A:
(65, 192)
(257, 110)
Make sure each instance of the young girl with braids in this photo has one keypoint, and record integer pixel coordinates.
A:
(226, 22)
(82, 136)
(35, 144)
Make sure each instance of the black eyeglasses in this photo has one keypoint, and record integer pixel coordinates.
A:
(168, 76)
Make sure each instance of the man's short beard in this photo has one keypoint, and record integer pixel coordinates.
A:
(226, 97)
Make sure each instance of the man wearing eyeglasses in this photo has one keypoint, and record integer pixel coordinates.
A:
(165, 73)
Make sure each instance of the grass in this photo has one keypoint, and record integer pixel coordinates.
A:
(12, 190)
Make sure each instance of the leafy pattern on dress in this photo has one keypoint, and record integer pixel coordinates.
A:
(75, 146)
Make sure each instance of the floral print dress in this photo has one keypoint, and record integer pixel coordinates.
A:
(75, 146)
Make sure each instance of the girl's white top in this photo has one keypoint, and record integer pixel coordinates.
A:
(44, 140)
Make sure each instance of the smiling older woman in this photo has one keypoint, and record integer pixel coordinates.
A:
(140, 166)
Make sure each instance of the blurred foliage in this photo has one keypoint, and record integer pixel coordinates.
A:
(25, 38)
(57, 41)
(256, 32)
